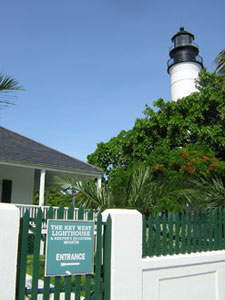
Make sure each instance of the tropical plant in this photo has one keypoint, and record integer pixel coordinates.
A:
(143, 192)
(220, 63)
(68, 183)
(8, 85)
(213, 191)
(139, 188)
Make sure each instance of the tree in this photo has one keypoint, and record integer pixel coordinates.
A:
(220, 63)
(197, 120)
(181, 145)
(192, 160)
(7, 85)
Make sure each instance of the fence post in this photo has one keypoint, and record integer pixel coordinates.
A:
(126, 254)
(9, 230)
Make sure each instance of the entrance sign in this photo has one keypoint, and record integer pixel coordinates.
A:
(69, 247)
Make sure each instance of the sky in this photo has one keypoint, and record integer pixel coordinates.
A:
(89, 66)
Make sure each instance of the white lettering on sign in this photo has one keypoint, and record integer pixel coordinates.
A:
(84, 227)
(70, 233)
(70, 256)
(57, 227)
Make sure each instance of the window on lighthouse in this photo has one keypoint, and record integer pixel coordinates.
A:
(182, 40)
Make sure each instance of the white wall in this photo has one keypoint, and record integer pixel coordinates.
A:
(183, 77)
(9, 230)
(197, 276)
(22, 183)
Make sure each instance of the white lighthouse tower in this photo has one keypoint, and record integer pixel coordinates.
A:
(184, 64)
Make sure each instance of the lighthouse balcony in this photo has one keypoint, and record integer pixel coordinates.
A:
(176, 60)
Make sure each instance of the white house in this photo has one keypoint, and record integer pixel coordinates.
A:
(25, 163)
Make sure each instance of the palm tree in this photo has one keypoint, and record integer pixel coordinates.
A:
(68, 184)
(7, 85)
(213, 191)
(148, 194)
(220, 63)
(144, 193)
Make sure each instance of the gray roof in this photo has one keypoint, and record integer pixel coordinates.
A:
(15, 148)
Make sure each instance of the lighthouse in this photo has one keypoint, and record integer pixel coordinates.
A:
(184, 64)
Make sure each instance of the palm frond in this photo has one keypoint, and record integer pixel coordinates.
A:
(220, 63)
(7, 85)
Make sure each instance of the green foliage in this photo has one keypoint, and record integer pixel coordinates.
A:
(197, 120)
(56, 196)
(7, 85)
(220, 63)
(213, 191)
(138, 189)
(193, 160)
(160, 163)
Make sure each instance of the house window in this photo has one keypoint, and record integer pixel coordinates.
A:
(6, 190)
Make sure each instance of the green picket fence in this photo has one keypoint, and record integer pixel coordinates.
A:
(189, 232)
(92, 286)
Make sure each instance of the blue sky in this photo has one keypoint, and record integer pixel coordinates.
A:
(90, 66)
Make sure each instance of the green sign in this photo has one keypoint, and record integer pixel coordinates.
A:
(69, 247)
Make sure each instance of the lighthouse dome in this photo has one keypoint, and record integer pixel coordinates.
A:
(183, 49)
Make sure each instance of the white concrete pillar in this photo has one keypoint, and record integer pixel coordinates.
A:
(42, 188)
(9, 231)
(126, 254)
(99, 185)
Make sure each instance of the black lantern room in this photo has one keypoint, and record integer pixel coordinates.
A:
(184, 49)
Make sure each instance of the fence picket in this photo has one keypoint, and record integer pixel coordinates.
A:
(216, 237)
(195, 232)
(200, 231)
(38, 223)
(224, 229)
(220, 246)
(60, 215)
(171, 250)
(205, 230)
(88, 277)
(164, 235)
(144, 235)
(107, 257)
(46, 291)
(98, 258)
(177, 230)
(78, 277)
(183, 233)
(157, 236)
(210, 230)
(188, 233)
(150, 237)
(68, 285)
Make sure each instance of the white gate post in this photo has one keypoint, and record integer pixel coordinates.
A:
(126, 254)
(9, 231)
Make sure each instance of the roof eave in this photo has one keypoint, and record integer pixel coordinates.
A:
(53, 168)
